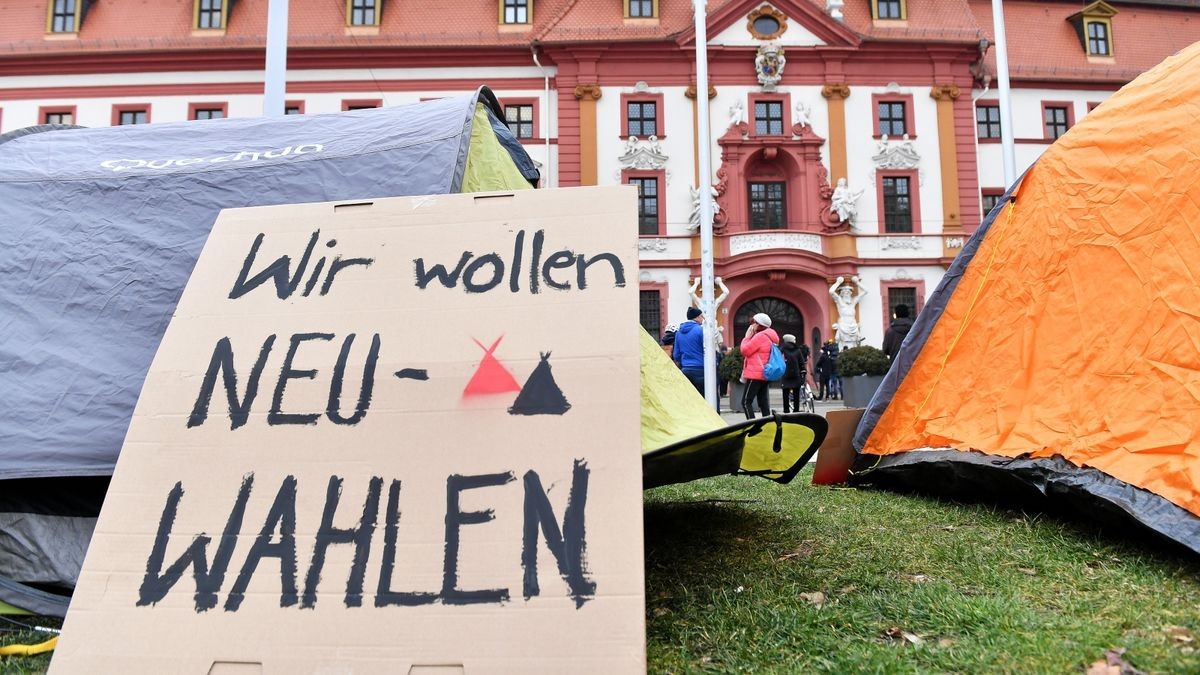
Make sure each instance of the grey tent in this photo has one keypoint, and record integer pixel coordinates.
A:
(99, 231)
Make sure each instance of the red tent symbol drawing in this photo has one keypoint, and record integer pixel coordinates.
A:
(491, 377)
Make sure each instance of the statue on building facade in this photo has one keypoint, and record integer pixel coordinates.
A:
(848, 335)
(843, 201)
(737, 113)
(768, 65)
(694, 216)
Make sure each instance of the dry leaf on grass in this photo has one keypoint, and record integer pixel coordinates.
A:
(1113, 664)
(1027, 570)
(661, 611)
(918, 578)
(848, 589)
(816, 598)
(945, 642)
(895, 634)
(804, 550)
(1180, 634)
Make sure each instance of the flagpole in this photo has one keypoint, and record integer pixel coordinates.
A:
(275, 80)
(706, 206)
(1008, 148)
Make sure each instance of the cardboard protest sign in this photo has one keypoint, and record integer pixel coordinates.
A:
(389, 437)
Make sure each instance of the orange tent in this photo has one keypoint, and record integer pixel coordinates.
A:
(1060, 356)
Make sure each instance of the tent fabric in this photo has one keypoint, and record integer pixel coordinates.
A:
(1067, 329)
(99, 231)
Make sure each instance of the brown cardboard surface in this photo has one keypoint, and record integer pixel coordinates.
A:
(836, 454)
(457, 535)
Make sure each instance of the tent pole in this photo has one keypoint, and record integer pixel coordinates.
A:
(1006, 130)
(275, 81)
(706, 207)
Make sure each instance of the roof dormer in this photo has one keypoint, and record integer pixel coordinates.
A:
(210, 17)
(889, 10)
(64, 17)
(1093, 25)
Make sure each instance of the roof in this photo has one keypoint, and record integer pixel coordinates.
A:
(1043, 45)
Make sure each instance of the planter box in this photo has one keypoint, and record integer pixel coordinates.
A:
(736, 391)
(858, 390)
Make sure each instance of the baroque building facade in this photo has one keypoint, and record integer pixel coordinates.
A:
(850, 138)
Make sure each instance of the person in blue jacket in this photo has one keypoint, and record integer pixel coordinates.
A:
(688, 352)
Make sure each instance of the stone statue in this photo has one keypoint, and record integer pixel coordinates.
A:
(847, 326)
(720, 298)
(803, 115)
(834, 7)
(631, 145)
(737, 113)
(694, 216)
(842, 202)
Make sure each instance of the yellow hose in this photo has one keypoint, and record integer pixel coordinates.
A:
(30, 650)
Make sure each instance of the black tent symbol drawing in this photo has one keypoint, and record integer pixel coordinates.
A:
(540, 395)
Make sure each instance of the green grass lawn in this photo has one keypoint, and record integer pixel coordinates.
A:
(748, 575)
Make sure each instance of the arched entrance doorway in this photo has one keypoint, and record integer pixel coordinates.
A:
(785, 318)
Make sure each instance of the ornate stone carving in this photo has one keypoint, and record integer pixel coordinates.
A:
(747, 243)
(842, 202)
(803, 115)
(836, 91)
(891, 154)
(768, 65)
(737, 114)
(766, 10)
(901, 244)
(902, 274)
(944, 92)
(847, 301)
(694, 216)
(954, 242)
(645, 155)
(591, 91)
(690, 92)
(658, 245)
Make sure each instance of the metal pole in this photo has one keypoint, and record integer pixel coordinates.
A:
(706, 207)
(1008, 149)
(275, 81)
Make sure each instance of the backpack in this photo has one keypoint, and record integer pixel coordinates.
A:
(775, 365)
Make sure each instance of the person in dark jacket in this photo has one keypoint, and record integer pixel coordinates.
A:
(894, 337)
(688, 352)
(795, 372)
(826, 365)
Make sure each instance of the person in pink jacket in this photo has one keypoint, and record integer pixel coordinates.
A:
(756, 351)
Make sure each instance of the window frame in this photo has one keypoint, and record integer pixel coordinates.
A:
(988, 192)
(910, 122)
(378, 9)
(224, 11)
(628, 4)
(914, 198)
(663, 291)
(119, 108)
(76, 22)
(503, 5)
(194, 108)
(293, 104)
(656, 99)
(783, 199)
(1108, 35)
(989, 103)
(885, 288)
(45, 110)
(903, 11)
(537, 119)
(784, 99)
(1070, 115)
(661, 176)
(361, 103)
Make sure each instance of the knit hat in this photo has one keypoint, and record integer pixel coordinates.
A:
(789, 338)
(693, 312)
(762, 320)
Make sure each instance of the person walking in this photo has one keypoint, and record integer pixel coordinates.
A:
(825, 364)
(756, 350)
(795, 358)
(688, 351)
(894, 337)
(835, 379)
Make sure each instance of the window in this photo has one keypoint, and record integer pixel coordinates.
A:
(363, 12)
(293, 110)
(210, 14)
(1097, 35)
(768, 210)
(640, 9)
(131, 114)
(519, 119)
(641, 118)
(647, 205)
(208, 114)
(361, 104)
(902, 295)
(768, 118)
(892, 120)
(516, 11)
(989, 199)
(1056, 119)
(64, 16)
(650, 313)
(987, 121)
(897, 204)
(888, 9)
(57, 115)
